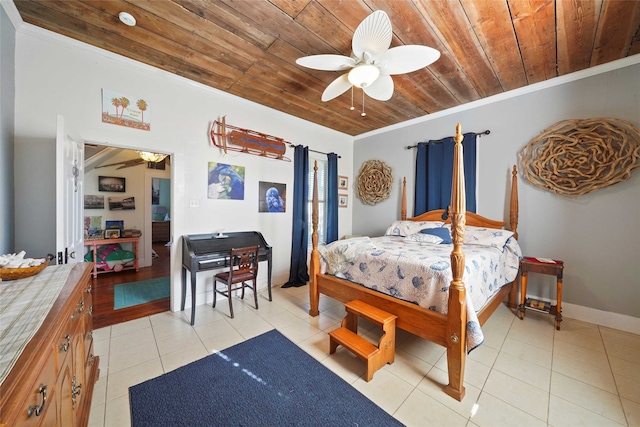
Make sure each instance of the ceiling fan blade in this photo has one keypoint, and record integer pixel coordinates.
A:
(336, 88)
(373, 36)
(381, 89)
(326, 62)
(405, 59)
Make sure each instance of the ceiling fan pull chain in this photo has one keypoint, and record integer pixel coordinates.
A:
(352, 107)
(363, 113)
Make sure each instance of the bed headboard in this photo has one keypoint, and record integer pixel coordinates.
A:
(471, 218)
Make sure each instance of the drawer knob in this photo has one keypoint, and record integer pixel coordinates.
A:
(75, 391)
(65, 346)
(38, 409)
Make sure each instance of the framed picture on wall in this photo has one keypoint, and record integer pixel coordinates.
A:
(343, 200)
(114, 223)
(122, 203)
(225, 181)
(93, 202)
(112, 184)
(343, 182)
(272, 197)
(155, 191)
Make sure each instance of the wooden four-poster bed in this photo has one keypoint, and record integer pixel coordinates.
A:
(447, 330)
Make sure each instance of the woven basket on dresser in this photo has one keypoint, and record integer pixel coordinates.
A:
(21, 273)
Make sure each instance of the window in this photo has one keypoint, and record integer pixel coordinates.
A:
(322, 199)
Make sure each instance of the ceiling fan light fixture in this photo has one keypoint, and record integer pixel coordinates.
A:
(373, 61)
(363, 75)
(149, 156)
(127, 19)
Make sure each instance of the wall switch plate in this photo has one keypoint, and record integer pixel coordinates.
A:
(194, 203)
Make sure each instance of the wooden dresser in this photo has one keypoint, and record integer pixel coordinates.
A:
(51, 383)
(160, 231)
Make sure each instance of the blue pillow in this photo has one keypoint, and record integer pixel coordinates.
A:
(441, 232)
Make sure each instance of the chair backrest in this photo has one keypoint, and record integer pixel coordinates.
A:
(244, 260)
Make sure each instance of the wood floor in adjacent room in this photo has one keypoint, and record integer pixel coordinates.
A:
(105, 315)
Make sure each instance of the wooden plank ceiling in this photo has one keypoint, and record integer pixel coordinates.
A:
(249, 48)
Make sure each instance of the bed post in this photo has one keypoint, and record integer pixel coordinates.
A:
(403, 209)
(314, 264)
(513, 225)
(513, 206)
(457, 313)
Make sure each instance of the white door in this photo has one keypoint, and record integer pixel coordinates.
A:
(69, 196)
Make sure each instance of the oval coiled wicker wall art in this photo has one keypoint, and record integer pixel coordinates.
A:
(577, 157)
(374, 182)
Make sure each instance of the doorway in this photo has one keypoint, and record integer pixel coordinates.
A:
(137, 176)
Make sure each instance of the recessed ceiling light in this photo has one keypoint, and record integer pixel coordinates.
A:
(127, 19)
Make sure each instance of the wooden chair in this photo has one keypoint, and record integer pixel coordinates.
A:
(243, 267)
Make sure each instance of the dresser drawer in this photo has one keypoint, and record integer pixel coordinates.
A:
(40, 407)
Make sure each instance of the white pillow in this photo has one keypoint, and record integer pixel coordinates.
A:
(422, 238)
(407, 228)
(484, 236)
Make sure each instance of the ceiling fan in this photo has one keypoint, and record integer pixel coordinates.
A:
(371, 63)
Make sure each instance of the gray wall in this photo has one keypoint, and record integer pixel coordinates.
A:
(35, 198)
(597, 235)
(7, 100)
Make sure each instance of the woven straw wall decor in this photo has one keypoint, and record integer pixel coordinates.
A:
(374, 182)
(576, 157)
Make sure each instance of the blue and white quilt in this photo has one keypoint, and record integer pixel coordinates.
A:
(417, 270)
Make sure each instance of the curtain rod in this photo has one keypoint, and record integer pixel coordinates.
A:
(314, 151)
(486, 132)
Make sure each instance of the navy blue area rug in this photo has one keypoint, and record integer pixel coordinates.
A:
(264, 381)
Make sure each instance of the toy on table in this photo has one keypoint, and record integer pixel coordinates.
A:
(111, 257)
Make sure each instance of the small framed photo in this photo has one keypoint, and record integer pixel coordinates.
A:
(343, 182)
(343, 200)
(95, 234)
(111, 183)
(122, 203)
(93, 202)
(112, 233)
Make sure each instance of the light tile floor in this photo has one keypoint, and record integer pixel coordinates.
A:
(525, 374)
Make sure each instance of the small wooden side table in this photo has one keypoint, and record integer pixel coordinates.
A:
(95, 243)
(550, 267)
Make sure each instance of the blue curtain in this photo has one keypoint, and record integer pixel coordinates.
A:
(332, 198)
(434, 172)
(298, 273)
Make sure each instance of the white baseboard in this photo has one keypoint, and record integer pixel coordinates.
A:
(621, 322)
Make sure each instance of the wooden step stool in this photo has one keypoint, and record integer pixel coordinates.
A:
(348, 337)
